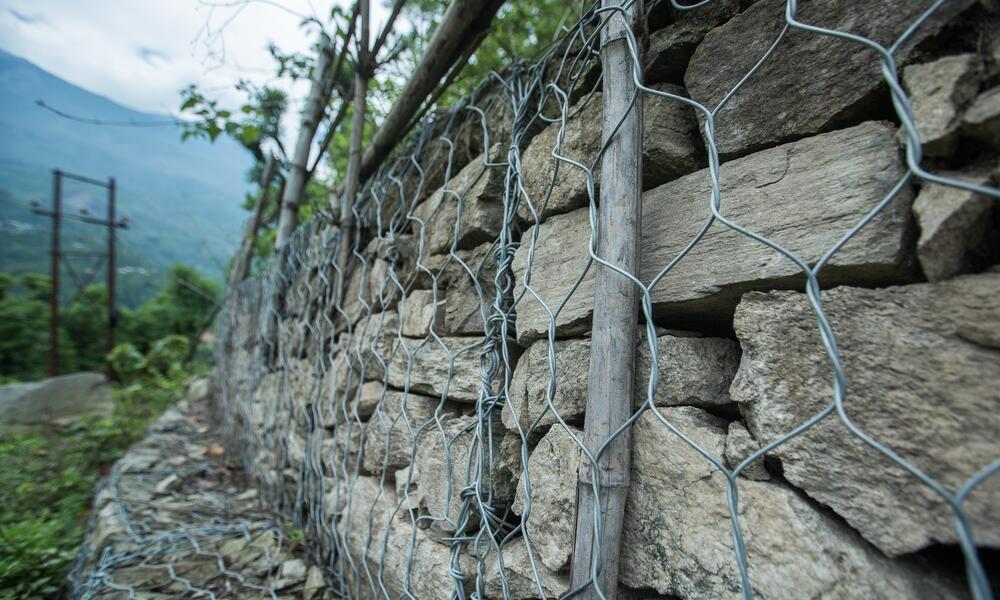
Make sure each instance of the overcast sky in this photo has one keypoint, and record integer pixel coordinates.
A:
(141, 52)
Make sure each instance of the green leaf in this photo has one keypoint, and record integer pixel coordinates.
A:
(249, 134)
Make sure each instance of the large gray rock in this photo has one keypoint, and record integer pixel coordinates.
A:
(692, 371)
(55, 401)
(671, 47)
(922, 378)
(444, 465)
(412, 564)
(982, 120)
(469, 296)
(678, 537)
(939, 92)
(805, 195)
(740, 445)
(368, 397)
(456, 277)
(479, 190)
(392, 432)
(552, 477)
(519, 574)
(841, 83)
(528, 389)
(670, 149)
(954, 225)
(419, 311)
(448, 366)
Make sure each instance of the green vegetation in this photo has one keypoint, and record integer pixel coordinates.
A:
(182, 307)
(521, 31)
(48, 479)
(182, 199)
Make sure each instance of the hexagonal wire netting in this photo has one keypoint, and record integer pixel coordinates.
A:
(298, 343)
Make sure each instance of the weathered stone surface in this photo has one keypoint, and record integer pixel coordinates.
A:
(805, 195)
(739, 445)
(314, 585)
(528, 389)
(438, 367)
(670, 149)
(341, 385)
(982, 119)
(812, 83)
(55, 401)
(393, 430)
(678, 537)
(340, 449)
(465, 306)
(369, 348)
(954, 223)
(432, 484)
(671, 47)
(922, 378)
(520, 577)
(370, 287)
(479, 188)
(939, 91)
(367, 398)
(552, 476)
(692, 371)
(418, 311)
(371, 520)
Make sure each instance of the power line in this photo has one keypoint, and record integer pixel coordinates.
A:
(93, 121)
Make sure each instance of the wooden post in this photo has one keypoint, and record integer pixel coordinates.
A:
(244, 255)
(312, 114)
(54, 297)
(616, 307)
(353, 182)
(461, 27)
(112, 314)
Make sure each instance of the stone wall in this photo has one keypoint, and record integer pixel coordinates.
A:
(417, 405)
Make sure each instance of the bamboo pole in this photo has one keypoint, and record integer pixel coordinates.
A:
(461, 27)
(616, 305)
(312, 114)
(244, 255)
(353, 181)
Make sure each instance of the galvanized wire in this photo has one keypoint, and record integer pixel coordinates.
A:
(171, 522)
(297, 342)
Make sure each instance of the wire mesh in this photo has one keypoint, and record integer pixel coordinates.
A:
(170, 521)
(341, 377)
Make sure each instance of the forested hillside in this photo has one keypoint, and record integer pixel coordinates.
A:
(183, 198)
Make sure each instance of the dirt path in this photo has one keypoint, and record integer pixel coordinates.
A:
(174, 520)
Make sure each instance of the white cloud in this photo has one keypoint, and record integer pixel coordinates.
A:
(140, 52)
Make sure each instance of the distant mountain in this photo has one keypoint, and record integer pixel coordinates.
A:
(183, 199)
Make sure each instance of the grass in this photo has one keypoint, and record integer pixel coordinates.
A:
(47, 482)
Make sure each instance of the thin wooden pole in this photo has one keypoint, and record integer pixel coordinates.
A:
(353, 182)
(112, 273)
(460, 27)
(54, 297)
(600, 516)
(244, 255)
(312, 114)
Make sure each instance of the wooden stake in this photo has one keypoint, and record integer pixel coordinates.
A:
(312, 114)
(244, 255)
(461, 27)
(616, 307)
(353, 181)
